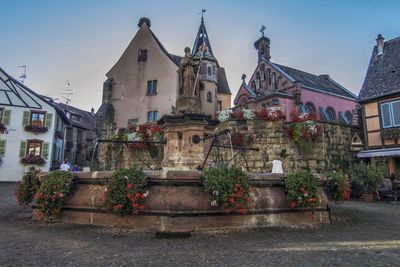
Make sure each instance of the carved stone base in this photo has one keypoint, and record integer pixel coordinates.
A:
(188, 105)
(180, 152)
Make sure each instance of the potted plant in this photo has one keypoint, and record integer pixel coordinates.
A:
(370, 176)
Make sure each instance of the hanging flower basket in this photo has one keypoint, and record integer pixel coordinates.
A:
(69, 145)
(35, 129)
(79, 147)
(59, 135)
(34, 160)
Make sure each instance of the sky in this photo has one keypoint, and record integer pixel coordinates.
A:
(80, 40)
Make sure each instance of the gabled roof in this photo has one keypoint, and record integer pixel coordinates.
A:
(176, 59)
(202, 38)
(383, 74)
(13, 93)
(317, 82)
(223, 86)
(87, 120)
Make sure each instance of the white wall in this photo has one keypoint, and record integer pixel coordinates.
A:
(11, 168)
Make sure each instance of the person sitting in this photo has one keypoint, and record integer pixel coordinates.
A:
(385, 188)
(65, 167)
(75, 168)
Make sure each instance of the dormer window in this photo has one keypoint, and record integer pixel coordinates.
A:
(75, 117)
(142, 55)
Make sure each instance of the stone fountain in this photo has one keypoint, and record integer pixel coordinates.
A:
(176, 200)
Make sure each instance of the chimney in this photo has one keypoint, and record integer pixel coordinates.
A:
(92, 112)
(380, 44)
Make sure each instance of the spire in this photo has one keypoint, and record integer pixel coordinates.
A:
(202, 37)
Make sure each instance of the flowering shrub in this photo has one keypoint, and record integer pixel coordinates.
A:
(248, 114)
(51, 194)
(33, 159)
(338, 186)
(3, 128)
(237, 139)
(27, 187)
(228, 188)
(225, 115)
(304, 129)
(238, 114)
(274, 113)
(301, 191)
(35, 129)
(127, 191)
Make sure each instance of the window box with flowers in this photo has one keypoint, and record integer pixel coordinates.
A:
(304, 130)
(37, 121)
(34, 152)
(391, 133)
(59, 135)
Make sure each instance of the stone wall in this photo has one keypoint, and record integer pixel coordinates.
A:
(329, 151)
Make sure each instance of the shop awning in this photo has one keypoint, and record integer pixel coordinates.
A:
(384, 152)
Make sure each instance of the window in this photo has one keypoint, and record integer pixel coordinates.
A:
(152, 116)
(273, 80)
(209, 71)
(142, 55)
(209, 97)
(203, 69)
(219, 105)
(1, 115)
(269, 77)
(37, 119)
(152, 87)
(69, 134)
(79, 137)
(309, 107)
(349, 116)
(34, 148)
(390, 114)
(331, 114)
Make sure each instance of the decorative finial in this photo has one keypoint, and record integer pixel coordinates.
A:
(202, 14)
(262, 30)
(244, 78)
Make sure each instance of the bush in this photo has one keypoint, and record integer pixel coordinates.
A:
(27, 187)
(228, 188)
(302, 191)
(338, 186)
(127, 191)
(53, 189)
(370, 176)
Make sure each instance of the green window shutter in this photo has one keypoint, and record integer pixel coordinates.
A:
(6, 116)
(45, 150)
(2, 147)
(49, 120)
(22, 149)
(25, 119)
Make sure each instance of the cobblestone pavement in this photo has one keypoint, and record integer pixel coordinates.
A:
(361, 235)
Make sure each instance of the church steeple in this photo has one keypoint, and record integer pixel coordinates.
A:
(202, 38)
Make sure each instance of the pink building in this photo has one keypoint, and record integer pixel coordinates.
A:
(275, 84)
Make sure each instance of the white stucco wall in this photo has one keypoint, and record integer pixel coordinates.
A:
(11, 168)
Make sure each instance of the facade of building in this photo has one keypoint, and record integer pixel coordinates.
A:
(78, 135)
(380, 101)
(275, 84)
(29, 123)
(143, 85)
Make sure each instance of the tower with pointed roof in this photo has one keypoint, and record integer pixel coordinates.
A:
(214, 90)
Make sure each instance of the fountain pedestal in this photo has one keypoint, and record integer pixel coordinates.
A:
(181, 152)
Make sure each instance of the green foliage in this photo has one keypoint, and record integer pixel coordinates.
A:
(336, 185)
(228, 188)
(127, 191)
(283, 154)
(27, 187)
(53, 189)
(369, 175)
(302, 190)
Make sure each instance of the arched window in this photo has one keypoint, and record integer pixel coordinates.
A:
(273, 81)
(253, 84)
(269, 76)
(330, 112)
(262, 67)
(349, 116)
(309, 107)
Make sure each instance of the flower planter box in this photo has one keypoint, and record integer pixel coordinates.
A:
(35, 129)
(33, 160)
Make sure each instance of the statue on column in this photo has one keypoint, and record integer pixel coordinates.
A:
(189, 97)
